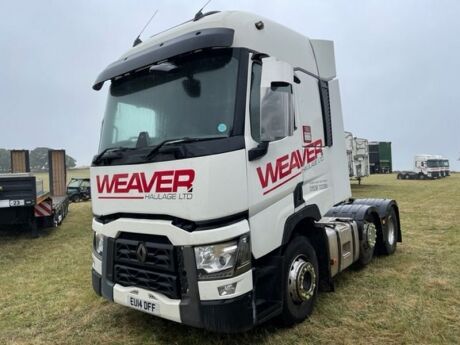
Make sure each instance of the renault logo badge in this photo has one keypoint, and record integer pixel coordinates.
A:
(141, 253)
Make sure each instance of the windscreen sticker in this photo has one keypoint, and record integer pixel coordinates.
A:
(222, 127)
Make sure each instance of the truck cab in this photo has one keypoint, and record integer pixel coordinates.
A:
(221, 158)
(427, 166)
(445, 164)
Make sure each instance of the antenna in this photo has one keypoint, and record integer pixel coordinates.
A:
(138, 39)
(199, 14)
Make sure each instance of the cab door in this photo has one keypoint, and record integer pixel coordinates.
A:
(273, 174)
(317, 187)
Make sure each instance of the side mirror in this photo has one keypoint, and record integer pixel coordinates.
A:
(276, 100)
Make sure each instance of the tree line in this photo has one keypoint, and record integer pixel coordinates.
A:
(38, 159)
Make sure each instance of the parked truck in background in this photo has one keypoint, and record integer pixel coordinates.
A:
(357, 156)
(446, 165)
(220, 192)
(426, 166)
(443, 166)
(380, 158)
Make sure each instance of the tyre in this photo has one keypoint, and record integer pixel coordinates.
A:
(300, 281)
(406, 177)
(421, 177)
(367, 243)
(75, 198)
(389, 237)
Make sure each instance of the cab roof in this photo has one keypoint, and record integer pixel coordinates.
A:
(228, 29)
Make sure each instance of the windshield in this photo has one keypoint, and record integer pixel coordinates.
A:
(188, 97)
(74, 184)
(446, 163)
(431, 163)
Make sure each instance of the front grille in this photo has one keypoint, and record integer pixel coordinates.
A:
(167, 284)
(159, 270)
(159, 256)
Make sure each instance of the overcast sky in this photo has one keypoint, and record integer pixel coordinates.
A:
(398, 63)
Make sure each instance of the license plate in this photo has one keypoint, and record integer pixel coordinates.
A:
(143, 305)
(14, 203)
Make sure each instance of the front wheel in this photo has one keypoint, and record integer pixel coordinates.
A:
(301, 279)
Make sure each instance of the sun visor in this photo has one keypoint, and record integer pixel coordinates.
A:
(199, 39)
(325, 58)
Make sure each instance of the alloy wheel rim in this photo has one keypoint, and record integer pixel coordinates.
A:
(301, 280)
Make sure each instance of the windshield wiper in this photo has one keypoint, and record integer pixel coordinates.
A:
(102, 155)
(157, 148)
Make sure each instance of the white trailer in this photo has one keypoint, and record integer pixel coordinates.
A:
(221, 158)
(349, 149)
(358, 156)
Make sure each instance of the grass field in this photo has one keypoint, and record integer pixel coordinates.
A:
(412, 297)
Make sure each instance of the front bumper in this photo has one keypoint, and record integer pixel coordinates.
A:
(200, 304)
(231, 315)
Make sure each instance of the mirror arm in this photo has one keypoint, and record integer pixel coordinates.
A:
(258, 151)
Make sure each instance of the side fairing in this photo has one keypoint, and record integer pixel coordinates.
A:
(195, 189)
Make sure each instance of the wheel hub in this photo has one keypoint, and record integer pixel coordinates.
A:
(391, 231)
(301, 280)
(371, 234)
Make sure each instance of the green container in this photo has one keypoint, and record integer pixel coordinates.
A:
(386, 163)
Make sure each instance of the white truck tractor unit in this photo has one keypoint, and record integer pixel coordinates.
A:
(357, 156)
(220, 192)
(446, 166)
(427, 166)
(443, 166)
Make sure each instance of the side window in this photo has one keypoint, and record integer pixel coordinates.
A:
(309, 108)
(277, 100)
(326, 110)
(254, 102)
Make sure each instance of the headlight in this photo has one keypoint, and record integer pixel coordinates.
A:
(98, 244)
(223, 260)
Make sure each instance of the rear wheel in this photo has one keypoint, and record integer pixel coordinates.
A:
(406, 177)
(301, 280)
(367, 245)
(389, 236)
